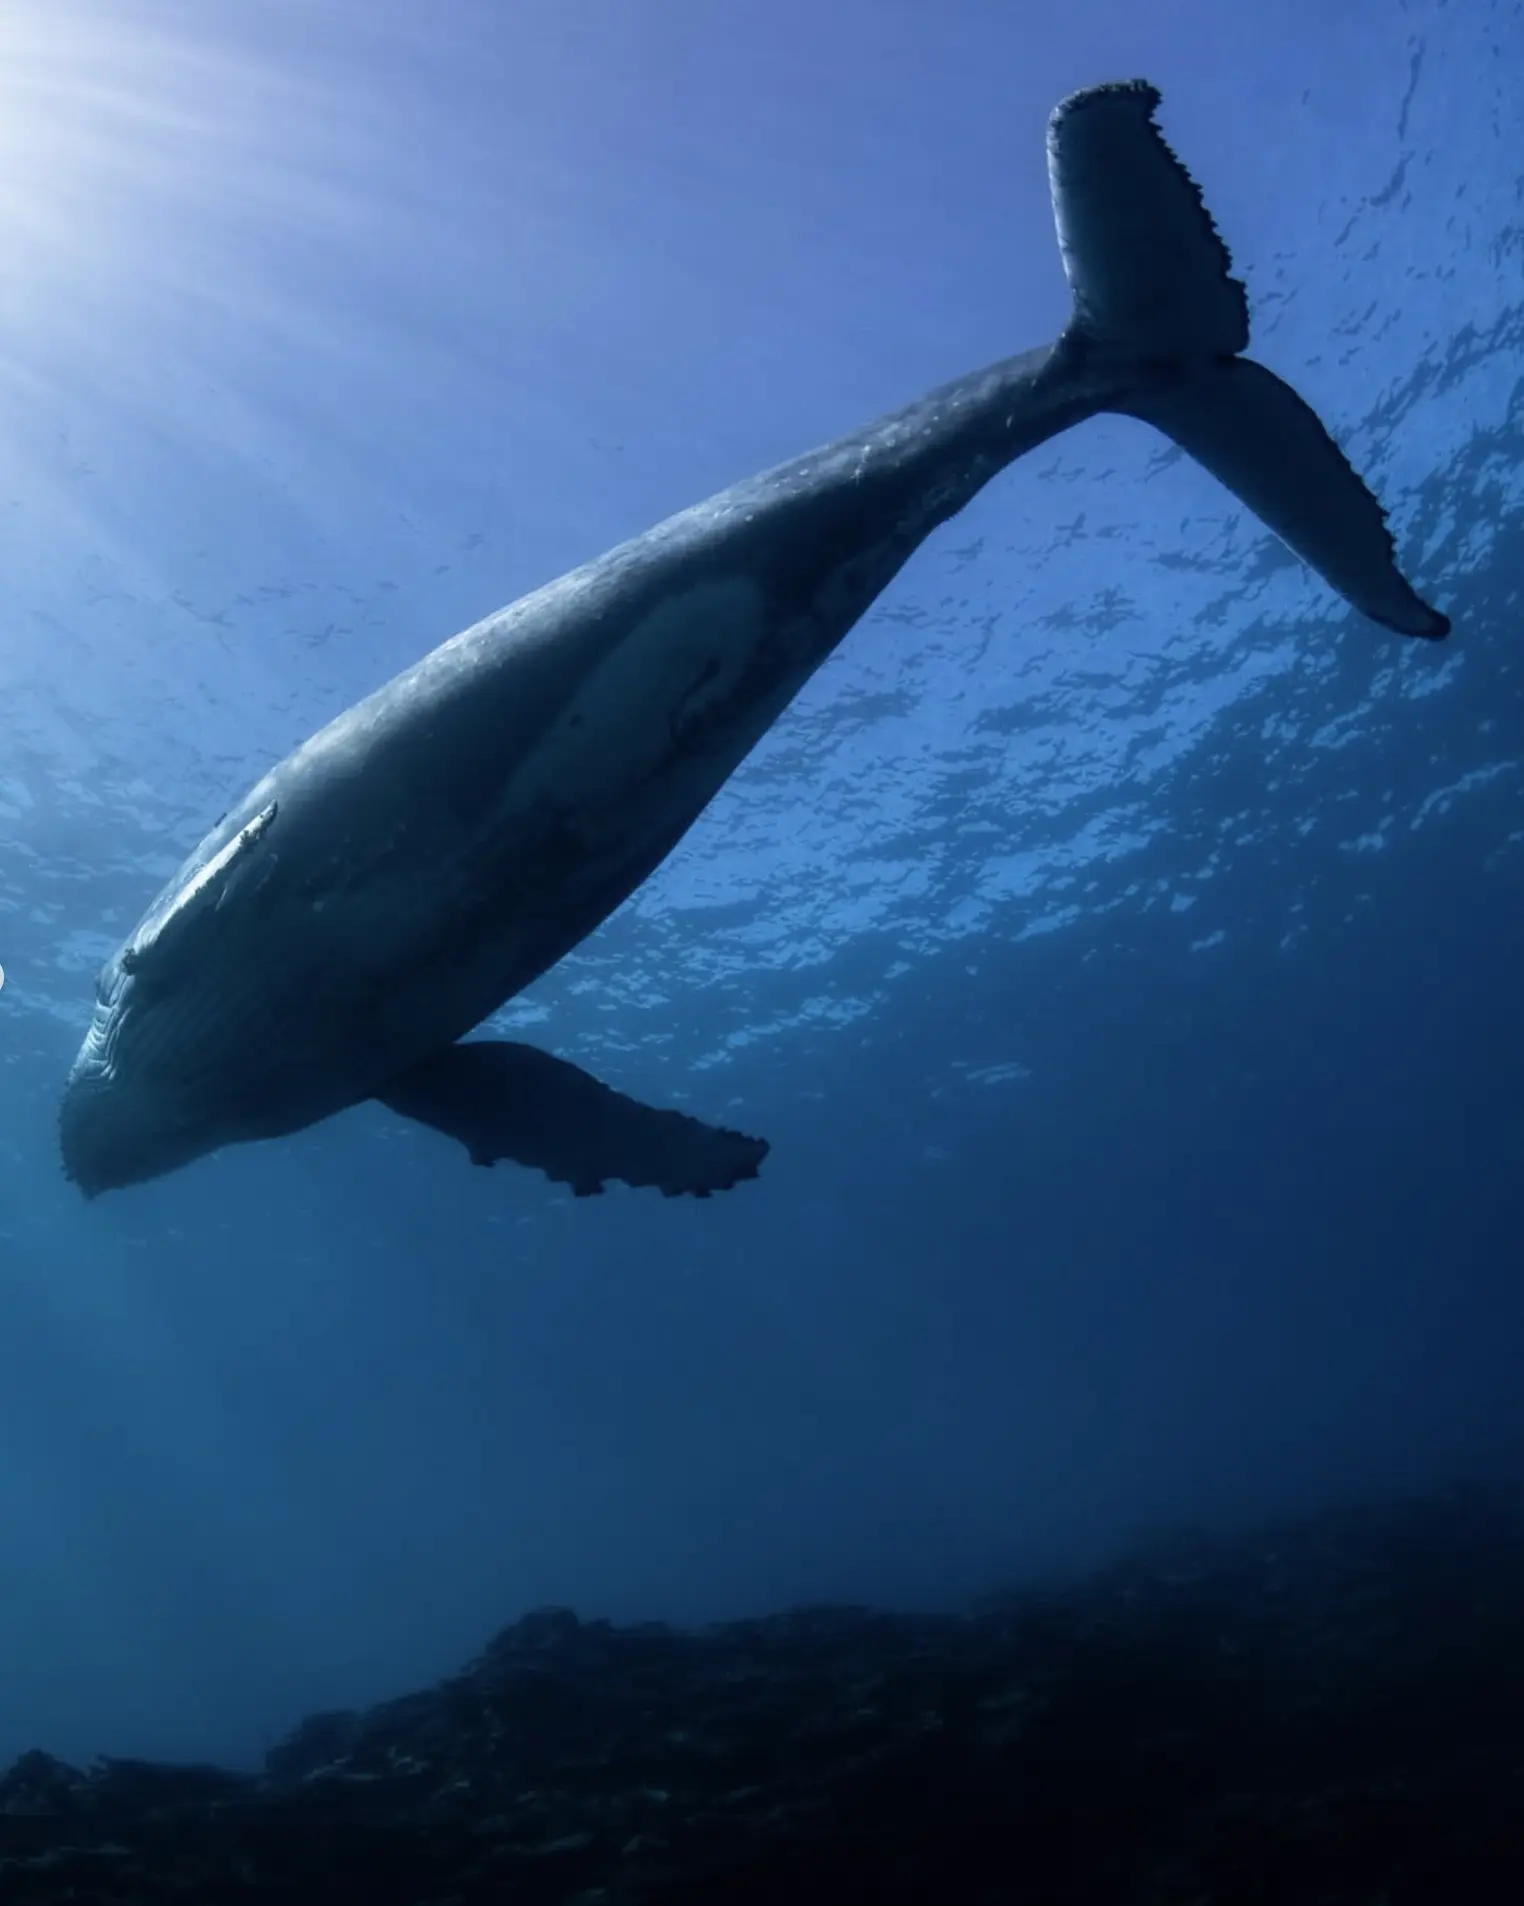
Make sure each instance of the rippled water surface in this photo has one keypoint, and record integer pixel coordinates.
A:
(1119, 941)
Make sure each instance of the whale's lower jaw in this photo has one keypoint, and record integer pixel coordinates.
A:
(161, 1079)
(112, 1136)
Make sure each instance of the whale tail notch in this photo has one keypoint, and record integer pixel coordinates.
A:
(1153, 286)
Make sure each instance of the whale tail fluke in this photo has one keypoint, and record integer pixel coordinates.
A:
(1153, 285)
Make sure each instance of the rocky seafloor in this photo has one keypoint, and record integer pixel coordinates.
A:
(1329, 1711)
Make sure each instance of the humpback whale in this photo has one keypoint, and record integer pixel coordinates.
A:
(436, 848)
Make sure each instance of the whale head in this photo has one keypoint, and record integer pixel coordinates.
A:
(205, 1030)
(132, 1106)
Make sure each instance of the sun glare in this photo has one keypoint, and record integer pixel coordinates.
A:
(87, 122)
(137, 147)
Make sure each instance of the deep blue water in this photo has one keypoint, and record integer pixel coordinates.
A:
(1120, 942)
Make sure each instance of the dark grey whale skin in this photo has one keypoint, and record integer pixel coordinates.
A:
(400, 894)
(448, 839)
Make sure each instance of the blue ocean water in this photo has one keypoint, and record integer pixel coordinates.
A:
(1118, 941)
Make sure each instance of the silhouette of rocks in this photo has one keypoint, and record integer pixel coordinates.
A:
(1327, 1712)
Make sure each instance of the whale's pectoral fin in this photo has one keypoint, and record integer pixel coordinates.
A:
(1153, 290)
(504, 1100)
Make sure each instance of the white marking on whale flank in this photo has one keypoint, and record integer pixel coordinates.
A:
(669, 671)
(184, 906)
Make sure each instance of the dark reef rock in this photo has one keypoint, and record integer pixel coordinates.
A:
(1329, 1712)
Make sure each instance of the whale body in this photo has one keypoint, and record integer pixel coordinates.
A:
(440, 845)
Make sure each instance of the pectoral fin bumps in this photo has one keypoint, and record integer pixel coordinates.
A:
(505, 1100)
